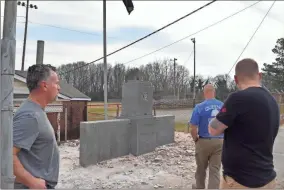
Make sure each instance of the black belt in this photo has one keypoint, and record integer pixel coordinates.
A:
(209, 138)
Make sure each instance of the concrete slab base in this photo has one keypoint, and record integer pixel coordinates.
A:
(165, 132)
(143, 136)
(103, 140)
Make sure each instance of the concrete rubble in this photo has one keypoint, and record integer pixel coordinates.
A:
(169, 166)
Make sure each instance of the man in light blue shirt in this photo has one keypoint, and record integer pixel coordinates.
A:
(208, 148)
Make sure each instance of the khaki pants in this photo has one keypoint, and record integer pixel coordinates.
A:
(230, 183)
(208, 153)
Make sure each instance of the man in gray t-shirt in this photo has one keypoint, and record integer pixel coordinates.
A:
(36, 154)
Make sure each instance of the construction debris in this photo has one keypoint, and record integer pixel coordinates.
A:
(169, 166)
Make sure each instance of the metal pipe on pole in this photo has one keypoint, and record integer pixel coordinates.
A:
(175, 59)
(8, 50)
(39, 52)
(193, 40)
(25, 35)
(105, 61)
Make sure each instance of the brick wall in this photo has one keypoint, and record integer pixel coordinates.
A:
(76, 112)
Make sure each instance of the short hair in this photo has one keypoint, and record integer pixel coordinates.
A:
(37, 73)
(209, 87)
(247, 68)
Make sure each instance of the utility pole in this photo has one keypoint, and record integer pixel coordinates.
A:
(25, 36)
(194, 55)
(28, 5)
(1, 134)
(175, 77)
(8, 50)
(39, 52)
(129, 7)
(105, 60)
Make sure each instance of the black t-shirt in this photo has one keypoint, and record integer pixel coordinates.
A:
(253, 118)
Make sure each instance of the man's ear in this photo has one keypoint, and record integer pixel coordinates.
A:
(236, 79)
(43, 85)
(260, 76)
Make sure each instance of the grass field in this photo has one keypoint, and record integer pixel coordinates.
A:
(96, 113)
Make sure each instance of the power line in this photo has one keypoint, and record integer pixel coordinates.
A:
(205, 28)
(69, 29)
(189, 57)
(252, 36)
(156, 31)
(64, 28)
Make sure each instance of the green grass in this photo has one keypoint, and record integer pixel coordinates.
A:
(181, 127)
(97, 113)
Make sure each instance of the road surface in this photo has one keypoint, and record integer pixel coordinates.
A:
(279, 158)
(181, 115)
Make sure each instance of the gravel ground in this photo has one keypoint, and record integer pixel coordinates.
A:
(170, 166)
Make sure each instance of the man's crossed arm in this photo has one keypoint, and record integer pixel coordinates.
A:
(216, 127)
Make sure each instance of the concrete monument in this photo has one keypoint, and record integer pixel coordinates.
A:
(136, 132)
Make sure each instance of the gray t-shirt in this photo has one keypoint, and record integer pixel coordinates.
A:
(33, 133)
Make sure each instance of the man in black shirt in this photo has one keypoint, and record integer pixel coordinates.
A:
(250, 120)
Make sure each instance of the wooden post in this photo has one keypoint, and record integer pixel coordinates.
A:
(66, 136)
(117, 110)
(58, 127)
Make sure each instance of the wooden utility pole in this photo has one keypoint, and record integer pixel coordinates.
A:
(25, 35)
(8, 50)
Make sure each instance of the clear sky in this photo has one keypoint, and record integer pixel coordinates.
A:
(217, 48)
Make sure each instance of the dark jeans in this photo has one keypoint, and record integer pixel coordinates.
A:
(49, 187)
(21, 186)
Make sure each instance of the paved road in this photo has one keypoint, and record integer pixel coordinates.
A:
(181, 115)
(279, 157)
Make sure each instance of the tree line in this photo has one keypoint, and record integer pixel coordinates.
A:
(165, 79)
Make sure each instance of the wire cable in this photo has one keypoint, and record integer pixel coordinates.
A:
(252, 36)
(156, 31)
(64, 28)
(201, 30)
(189, 57)
(69, 29)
